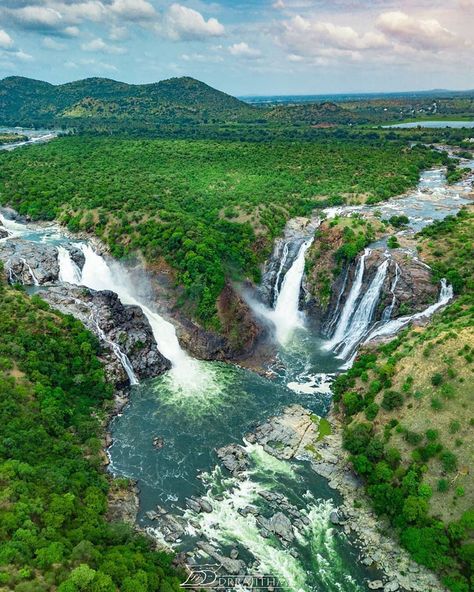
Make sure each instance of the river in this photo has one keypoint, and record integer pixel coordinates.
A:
(198, 407)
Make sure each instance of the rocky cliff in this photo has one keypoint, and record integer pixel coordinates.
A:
(113, 323)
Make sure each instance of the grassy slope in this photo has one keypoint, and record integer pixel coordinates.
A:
(184, 200)
(53, 501)
(415, 398)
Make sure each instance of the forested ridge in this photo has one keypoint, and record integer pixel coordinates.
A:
(408, 410)
(210, 209)
(53, 529)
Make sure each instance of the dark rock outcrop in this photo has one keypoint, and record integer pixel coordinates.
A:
(32, 263)
(240, 332)
(29, 263)
(104, 314)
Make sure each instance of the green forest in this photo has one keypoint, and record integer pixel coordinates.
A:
(407, 407)
(209, 208)
(53, 529)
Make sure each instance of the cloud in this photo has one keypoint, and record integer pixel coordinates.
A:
(22, 55)
(133, 10)
(278, 5)
(424, 34)
(182, 23)
(243, 50)
(118, 33)
(51, 43)
(5, 40)
(199, 57)
(310, 37)
(99, 45)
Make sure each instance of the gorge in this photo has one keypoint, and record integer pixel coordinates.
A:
(253, 501)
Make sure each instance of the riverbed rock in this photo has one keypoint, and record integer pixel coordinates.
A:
(123, 504)
(29, 263)
(278, 524)
(231, 566)
(375, 585)
(126, 326)
(391, 586)
(287, 435)
(158, 442)
(234, 458)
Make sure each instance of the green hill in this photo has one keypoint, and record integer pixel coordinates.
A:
(100, 101)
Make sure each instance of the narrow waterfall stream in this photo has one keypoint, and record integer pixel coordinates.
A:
(199, 407)
(287, 316)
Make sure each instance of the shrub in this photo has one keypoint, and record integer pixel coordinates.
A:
(449, 461)
(392, 400)
(454, 426)
(437, 379)
(371, 411)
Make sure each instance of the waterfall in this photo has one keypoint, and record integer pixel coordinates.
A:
(187, 373)
(387, 313)
(348, 310)
(392, 327)
(286, 315)
(333, 320)
(122, 357)
(69, 272)
(283, 260)
(31, 272)
(363, 314)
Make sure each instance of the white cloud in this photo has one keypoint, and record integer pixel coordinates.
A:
(51, 43)
(310, 37)
(99, 45)
(134, 10)
(182, 23)
(5, 40)
(21, 55)
(200, 57)
(118, 33)
(243, 50)
(278, 5)
(72, 31)
(424, 34)
(37, 16)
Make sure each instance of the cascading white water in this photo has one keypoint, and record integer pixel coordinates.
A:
(187, 373)
(349, 306)
(360, 320)
(69, 272)
(284, 258)
(31, 272)
(122, 357)
(286, 315)
(395, 325)
(387, 313)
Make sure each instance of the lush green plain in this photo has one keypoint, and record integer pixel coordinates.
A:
(209, 208)
(408, 407)
(53, 530)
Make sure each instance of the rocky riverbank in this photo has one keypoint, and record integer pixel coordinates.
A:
(297, 434)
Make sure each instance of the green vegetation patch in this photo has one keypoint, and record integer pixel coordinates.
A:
(53, 530)
(167, 198)
(408, 412)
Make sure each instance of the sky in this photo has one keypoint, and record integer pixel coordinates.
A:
(245, 47)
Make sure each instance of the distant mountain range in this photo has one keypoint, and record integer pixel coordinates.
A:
(185, 104)
(27, 102)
